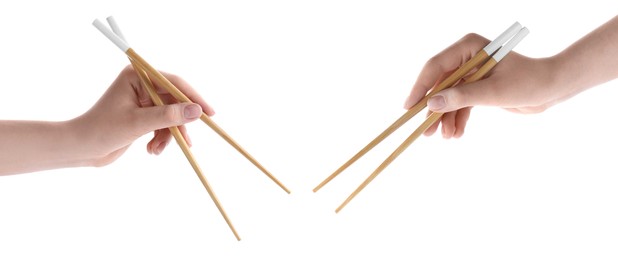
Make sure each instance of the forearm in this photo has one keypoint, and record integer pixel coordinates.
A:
(27, 146)
(590, 61)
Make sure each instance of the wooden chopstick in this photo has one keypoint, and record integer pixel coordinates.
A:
(167, 85)
(180, 140)
(431, 119)
(481, 56)
(184, 146)
(475, 61)
(434, 117)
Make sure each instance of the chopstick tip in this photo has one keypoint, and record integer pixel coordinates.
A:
(341, 206)
(283, 187)
(317, 188)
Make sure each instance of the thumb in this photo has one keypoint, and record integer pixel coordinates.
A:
(159, 117)
(466, 95)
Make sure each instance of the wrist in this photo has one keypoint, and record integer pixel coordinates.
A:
(75, 140)
(567, 74)
(554, 73)
(563, 78)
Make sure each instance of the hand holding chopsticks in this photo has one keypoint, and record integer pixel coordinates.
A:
(147, 73)
(488, 56)
(483, 62)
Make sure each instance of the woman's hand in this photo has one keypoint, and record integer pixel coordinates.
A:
(98, 137)
(126, 112)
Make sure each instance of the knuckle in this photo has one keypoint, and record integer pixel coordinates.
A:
(474, 39)
(434, 62)
(170, 114)
(129, 73)
(457, 97)
(127, 70)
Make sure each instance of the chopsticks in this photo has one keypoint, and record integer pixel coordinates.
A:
(167, 85)
(489, 56)
(156, 99)
(145, 73)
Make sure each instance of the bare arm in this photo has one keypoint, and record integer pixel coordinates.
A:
(590, 61)
(102, 134)
(32, 145)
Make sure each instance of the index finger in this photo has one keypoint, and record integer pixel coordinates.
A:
(188, 90)
(438, 66)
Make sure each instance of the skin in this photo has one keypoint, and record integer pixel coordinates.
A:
(518, 83)
(125, 112)
(102, 134)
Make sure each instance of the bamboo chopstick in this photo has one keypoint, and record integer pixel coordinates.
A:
(156, 99)
(167, 85)
(185, 148)
(520, 33)
(448, 82)
(478, 59)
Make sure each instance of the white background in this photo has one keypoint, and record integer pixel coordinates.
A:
(303, 85)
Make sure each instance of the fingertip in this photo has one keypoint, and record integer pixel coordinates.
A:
(188, 140)
(446, 131)
(408, 103)
(209, 111)
(458, 133)
(185, 135)
(160, 148)
(431, 130)
(448, 125)
(461, 121)
(149, 147)
(443, 131)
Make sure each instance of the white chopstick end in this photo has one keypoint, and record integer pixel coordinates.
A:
(115, 28)
(511, 44)
(110, 35)
(502, 38)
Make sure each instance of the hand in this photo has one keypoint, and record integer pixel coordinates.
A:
(518, 84)
(126, 112)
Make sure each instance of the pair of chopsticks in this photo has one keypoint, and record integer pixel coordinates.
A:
(146, 73)
(489, 56)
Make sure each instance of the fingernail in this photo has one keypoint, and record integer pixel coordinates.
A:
(192, 111)
(436, 102)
